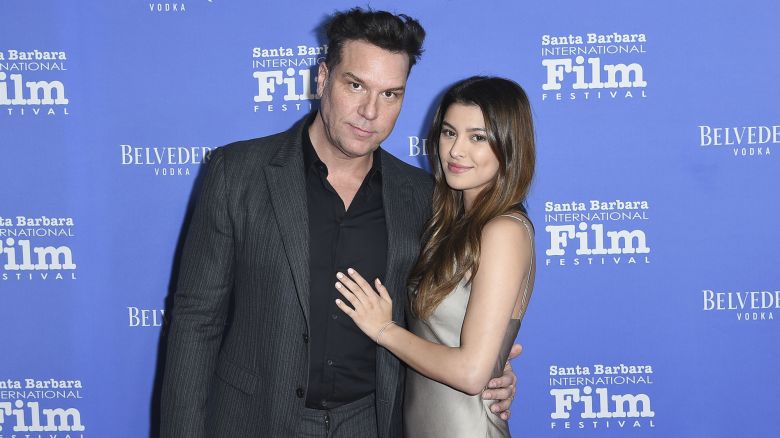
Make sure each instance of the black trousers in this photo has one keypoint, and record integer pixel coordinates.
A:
(353, 420)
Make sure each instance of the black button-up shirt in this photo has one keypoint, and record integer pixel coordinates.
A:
(343, 359)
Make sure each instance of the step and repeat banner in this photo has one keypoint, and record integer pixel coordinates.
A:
(657, 306)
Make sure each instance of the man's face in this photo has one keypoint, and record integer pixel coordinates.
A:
(361, 97)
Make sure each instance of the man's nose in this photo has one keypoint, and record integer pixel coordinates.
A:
(368, 109)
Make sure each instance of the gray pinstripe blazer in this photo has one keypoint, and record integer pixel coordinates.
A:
(245, 260)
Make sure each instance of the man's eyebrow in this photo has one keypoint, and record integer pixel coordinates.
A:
(355, 78)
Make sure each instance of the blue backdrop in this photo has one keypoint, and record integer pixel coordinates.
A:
(656, 307)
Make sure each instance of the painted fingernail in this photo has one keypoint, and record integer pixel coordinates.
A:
(338, 301)
(338, 285)
(339, 275)
(488, 395)
(351, 271)
(378, 281)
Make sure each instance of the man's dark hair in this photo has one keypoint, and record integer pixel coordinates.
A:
(394, 33)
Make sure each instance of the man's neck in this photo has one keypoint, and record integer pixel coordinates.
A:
(338, 162)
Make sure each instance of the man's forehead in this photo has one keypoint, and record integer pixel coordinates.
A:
(373, 63)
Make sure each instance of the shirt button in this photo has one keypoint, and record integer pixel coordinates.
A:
(330, 362)
(299, 392)
(324, 404)
(334, 316)
(305, 338)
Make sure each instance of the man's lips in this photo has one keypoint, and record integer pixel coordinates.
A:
(455, 168)
(360, 132)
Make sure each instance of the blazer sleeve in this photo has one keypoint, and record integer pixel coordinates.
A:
(200, 308)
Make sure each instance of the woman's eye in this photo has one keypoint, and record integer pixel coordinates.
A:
(447, 133)
(478, 138)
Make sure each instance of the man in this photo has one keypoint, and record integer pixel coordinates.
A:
(276, 219)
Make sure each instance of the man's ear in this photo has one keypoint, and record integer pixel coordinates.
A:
(322, 78)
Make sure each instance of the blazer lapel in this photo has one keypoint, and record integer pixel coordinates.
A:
(286, 183)
(395, 197)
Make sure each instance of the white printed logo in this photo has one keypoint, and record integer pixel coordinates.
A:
(26, 406)
(284, 77)
(29, 417)
(592, 233)
(138, 317)
(24, 257)
(582, 68)
(754, 305)
(593, 397)
(417, 146)
(164, 160)
(168, 7)
(742, 141)
(28, 85)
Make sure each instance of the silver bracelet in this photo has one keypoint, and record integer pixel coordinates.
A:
(382, 330)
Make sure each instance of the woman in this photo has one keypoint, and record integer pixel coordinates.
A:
(475, 272)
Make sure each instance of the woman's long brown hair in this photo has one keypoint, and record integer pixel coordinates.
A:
(452, 236)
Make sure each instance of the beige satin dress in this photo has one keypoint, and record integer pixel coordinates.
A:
(434, 410)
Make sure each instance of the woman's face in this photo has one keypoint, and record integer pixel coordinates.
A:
(467, 160)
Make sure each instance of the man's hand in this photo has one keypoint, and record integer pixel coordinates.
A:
(503, 388)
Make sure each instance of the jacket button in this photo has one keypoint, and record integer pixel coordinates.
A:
(305, 338)
(299, 392)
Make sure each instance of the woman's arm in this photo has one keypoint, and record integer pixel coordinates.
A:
(504, 264)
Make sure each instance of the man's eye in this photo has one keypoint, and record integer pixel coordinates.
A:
(355, 86)
(389, 94)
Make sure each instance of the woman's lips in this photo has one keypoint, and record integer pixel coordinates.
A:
(454, 168)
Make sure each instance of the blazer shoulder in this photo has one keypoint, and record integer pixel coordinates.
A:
(256, 150)
(414, 175)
